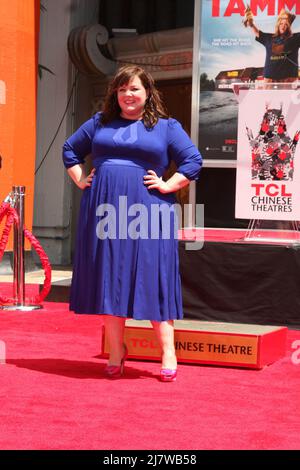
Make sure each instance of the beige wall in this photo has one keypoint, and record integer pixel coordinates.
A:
(53, 189)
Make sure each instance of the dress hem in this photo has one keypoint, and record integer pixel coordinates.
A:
(126, 316)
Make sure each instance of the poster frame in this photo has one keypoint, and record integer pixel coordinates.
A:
(196, 72)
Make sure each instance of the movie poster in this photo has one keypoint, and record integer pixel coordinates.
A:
(229, 53)
(268, 163)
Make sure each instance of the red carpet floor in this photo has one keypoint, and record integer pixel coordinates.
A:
(54, 395)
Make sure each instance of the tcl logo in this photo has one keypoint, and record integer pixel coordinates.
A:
(271, 189)
(2, 92)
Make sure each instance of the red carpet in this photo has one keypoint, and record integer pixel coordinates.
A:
(54, 396)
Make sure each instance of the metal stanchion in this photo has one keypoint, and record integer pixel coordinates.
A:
(18, 196)
(19, 267)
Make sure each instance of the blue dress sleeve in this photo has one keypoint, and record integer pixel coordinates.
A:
(182, 151)
(79, 144)
(263, 38)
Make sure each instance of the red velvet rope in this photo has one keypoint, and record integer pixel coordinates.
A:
(11, 217)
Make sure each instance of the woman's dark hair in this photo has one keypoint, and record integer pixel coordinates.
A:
(153, 109)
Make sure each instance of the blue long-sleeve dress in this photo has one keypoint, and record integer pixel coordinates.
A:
(126, 256)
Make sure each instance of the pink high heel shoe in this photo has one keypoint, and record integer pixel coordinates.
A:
(116, 372)
(168, 375)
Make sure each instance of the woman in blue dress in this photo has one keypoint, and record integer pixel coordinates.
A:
(126, 257)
